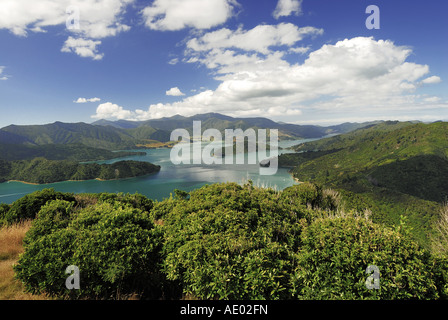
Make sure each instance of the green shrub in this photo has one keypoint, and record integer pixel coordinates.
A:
(52, 216)
(42, 267)
(310, 200)
(4, 208)
(115, 247)
(230, 242)
(136, 200)
(222, 241)
(335, 253)
(306, 194)
(312, 195)
(28, 206)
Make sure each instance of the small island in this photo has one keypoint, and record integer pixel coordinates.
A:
(42, 171)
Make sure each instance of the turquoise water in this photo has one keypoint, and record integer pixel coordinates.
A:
(160, 185)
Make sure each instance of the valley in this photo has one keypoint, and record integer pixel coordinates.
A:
(385, 181)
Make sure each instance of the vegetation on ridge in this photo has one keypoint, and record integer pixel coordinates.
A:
(41, 171)
(222, 241)
(393, 168)
(72, 152)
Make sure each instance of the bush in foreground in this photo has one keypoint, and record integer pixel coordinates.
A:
(28, 206)
(335, 253)
(224, 241)
(230, 242)
(114, 245)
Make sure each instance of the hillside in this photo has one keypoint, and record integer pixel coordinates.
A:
(400, 168)
(384, 155)
(69, 133)
(41, 171)
(73, 152)
(222, 122)
(121, 135)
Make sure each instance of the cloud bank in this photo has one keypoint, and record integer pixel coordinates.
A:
(354, 74)
(97, 19)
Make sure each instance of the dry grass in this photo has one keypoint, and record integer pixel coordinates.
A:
(84, 200)
(11, 240)
(10, 248)
(440, 240)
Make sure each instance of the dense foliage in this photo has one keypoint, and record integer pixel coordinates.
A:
(119, 135)
(114, 245)
(329, 268)
(396, 168)
(222, 236)
(73, 152)
(40, 170)
(224, 241)
(410, 158)
(28, 206)
(105, 137)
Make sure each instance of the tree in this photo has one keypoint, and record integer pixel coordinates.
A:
(335, 254)
(115, 246)
(28, 206)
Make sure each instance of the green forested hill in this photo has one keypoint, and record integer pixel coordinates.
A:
(73, 152)
(146, 132)
(69, 133)
(408, 149)
(121, 135)
(398, 168)
(41, 170)
(94, 142)
(222, 122)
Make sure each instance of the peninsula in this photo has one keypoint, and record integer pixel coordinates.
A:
(42, 171)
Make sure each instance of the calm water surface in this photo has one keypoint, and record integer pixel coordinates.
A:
(160, 185)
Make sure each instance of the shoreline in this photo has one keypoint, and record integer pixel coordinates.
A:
(31, 183)
(97, 179)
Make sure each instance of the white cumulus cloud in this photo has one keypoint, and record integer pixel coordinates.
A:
(113, 111)
(179, 14)
(97, 19)
(3, 76)
(432, 80)
(232, 51)
(175, 92)
(351, 76)
(287, 7)
(84, 100)
(432, 99)
(260, 38)
(85, 48)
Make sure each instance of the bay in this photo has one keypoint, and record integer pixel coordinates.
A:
(160, 185)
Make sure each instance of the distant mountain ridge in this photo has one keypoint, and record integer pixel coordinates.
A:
(69, 133)
(220, 121)
(124, 134)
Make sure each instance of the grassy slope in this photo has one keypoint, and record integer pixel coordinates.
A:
(10, 249)
(396, 168)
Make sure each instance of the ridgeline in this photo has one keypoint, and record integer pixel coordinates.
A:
(393, 168)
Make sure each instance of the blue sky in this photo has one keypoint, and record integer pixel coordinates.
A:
(304, 62)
